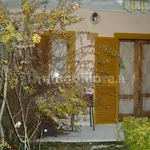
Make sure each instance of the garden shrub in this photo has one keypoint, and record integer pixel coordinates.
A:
(137, 133)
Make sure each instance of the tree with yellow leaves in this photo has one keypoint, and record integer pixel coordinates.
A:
(20, 32)
(25, 37)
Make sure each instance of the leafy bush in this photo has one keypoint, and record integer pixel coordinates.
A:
(137, 133)
(4, 145)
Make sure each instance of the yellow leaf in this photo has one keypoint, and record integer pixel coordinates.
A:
(6, 62)
(20, 67)
(36, 38)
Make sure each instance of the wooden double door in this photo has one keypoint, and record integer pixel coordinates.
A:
(129, 94)
(134, 92)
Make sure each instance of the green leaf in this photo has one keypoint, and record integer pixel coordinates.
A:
(10, 49)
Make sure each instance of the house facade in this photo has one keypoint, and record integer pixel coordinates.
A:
(128, 92)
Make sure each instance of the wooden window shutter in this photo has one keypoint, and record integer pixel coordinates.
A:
(43, 53)
(70, 37)
(106, 94)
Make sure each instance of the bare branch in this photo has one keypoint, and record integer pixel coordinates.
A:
(17, 114)
(35, 130)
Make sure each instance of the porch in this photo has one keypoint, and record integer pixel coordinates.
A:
(84, 133)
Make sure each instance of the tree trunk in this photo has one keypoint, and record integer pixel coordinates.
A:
(3, 103)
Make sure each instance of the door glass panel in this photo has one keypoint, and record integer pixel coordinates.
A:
(127, 54)
(146, 68)
(146, 104)
(59, 59)
(126, 106)
(146, 76)
(126, 86)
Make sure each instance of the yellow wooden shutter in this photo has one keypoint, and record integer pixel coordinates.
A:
(71, 40)
(42, 54)
(106, 94)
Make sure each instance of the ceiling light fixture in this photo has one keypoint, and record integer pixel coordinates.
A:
(95, 18)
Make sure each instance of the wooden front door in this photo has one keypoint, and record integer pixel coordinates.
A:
(143, 99)
(134, 98)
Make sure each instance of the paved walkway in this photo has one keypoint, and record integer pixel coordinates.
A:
(102, 133)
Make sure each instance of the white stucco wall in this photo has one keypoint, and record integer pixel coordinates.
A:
(113, 22)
